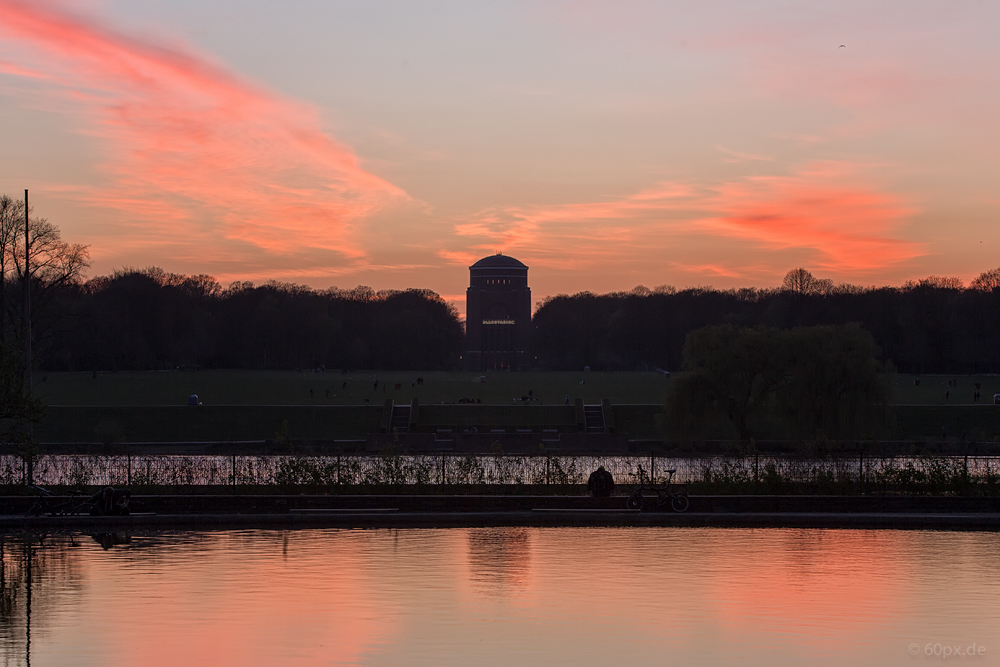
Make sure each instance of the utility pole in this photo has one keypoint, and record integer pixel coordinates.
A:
(27, 298)
(30, 472)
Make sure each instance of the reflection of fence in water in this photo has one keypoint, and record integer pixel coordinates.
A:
(178, 470)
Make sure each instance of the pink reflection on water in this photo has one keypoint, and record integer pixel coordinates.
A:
(501, 596)
(236, 599)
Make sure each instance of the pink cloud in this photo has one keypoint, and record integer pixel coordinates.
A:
(581, 225)
(709, 269)
(459, 257)
(847, 228)
(191, 148)
(826, 213)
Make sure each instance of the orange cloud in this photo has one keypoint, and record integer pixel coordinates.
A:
(570, 234)
(710, 269)
(822, 212)
(846, 227)
(192, 146)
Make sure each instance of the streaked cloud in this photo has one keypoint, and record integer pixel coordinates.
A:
(192, 150)
(846, 229)
(737, 156)
(604, 144)
(824, 212)
(709, 270)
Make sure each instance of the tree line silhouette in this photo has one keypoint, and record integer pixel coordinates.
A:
(137, 319)
(150, 319)
(935, 325)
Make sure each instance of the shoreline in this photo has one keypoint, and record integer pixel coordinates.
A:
(539, 517)
(186, 511)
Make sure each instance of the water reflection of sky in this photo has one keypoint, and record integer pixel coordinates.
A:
(499, 560)
(498, 596)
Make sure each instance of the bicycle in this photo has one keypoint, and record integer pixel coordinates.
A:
(675, 495)
(49, 503)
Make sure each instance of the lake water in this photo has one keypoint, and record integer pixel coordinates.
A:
(502, 596)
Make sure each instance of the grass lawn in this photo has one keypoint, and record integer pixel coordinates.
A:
(139, 403)
(240, 387)
(934, 389)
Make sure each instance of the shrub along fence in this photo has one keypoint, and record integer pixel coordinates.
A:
(751, 474)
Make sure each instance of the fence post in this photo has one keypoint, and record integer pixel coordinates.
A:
(861, 469)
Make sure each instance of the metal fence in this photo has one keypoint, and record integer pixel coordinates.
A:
(893, 474)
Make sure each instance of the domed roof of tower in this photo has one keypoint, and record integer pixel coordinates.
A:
(498, 261)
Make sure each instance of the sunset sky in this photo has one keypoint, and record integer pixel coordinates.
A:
(605, 144)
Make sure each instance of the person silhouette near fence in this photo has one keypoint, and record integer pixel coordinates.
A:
(601, 483)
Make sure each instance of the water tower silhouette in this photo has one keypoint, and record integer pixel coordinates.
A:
(497, 314)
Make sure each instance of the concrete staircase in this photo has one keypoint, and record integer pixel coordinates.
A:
(400, 422)
(594, 419)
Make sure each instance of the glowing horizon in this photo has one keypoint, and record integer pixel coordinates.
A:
(614, 146)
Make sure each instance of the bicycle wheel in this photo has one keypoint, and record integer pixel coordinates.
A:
(679, 503)
(634, 501)
(35, 510)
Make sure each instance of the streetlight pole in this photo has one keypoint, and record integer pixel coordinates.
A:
(29, 473)
(27, 298)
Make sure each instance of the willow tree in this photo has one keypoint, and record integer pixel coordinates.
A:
(730, 370)
(834, 387)
(814, 381)
(18, 407)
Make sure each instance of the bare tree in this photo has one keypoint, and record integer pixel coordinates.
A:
(987, 281)
(801, 281)
(17, 405)
(53, 264)
(11, 219)
(935, 282)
